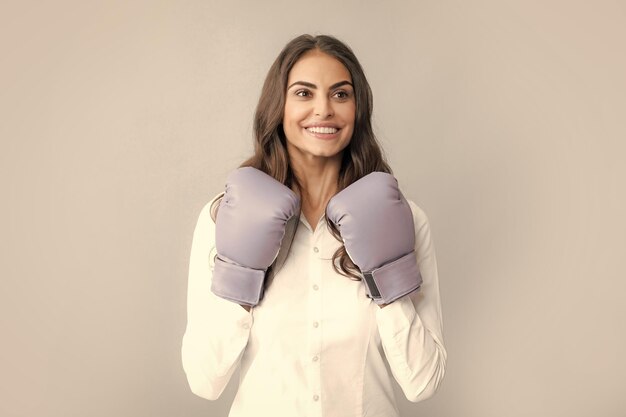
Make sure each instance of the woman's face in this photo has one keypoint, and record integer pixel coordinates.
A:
(320, 108)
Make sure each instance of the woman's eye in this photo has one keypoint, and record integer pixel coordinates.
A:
(302, 93)
(342, 95)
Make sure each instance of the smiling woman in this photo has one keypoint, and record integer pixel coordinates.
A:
(312, 272)
(320, 105)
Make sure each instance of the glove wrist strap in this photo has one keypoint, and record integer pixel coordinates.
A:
(237, 283)
(393, 280)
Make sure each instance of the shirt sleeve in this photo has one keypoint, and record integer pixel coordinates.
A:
(217, 330)
(411, 328)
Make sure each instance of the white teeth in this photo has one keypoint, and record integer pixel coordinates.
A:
(317, 129)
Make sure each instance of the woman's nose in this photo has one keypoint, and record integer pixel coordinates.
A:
(323, 107)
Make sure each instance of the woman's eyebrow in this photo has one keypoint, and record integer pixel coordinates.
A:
(313, 86)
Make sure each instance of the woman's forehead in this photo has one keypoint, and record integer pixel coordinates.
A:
(318, 66)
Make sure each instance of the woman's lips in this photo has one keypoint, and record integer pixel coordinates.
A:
(323, 132)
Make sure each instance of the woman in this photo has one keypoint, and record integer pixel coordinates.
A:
(355, 302)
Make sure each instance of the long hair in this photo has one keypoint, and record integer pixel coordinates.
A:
(363, 154)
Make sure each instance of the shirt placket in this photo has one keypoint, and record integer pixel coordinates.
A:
(315, 323)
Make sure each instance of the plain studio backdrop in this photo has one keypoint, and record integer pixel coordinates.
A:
(503, 120)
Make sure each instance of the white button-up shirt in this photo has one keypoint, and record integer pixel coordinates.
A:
(315, 346)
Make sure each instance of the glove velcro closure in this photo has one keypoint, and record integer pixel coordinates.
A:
(237, 283)
(393, 280)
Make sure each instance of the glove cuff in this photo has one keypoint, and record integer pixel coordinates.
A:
(237, 283)
(393, 280)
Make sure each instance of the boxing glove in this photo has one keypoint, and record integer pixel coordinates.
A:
(376, 225)
(249, 230)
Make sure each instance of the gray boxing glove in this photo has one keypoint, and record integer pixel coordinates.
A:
(249, 229)
(376, 225)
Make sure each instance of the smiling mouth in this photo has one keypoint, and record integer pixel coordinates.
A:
(322, 130)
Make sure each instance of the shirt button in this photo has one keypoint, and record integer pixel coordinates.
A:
(315, 287)
(316, 397)
(315, 324)
(315, 358)
(315, 249)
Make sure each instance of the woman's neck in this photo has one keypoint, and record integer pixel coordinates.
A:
(318, 183)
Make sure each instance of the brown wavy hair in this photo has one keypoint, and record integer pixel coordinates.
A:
(363, 154)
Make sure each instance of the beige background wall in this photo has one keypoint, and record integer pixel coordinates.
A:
(504, 120)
